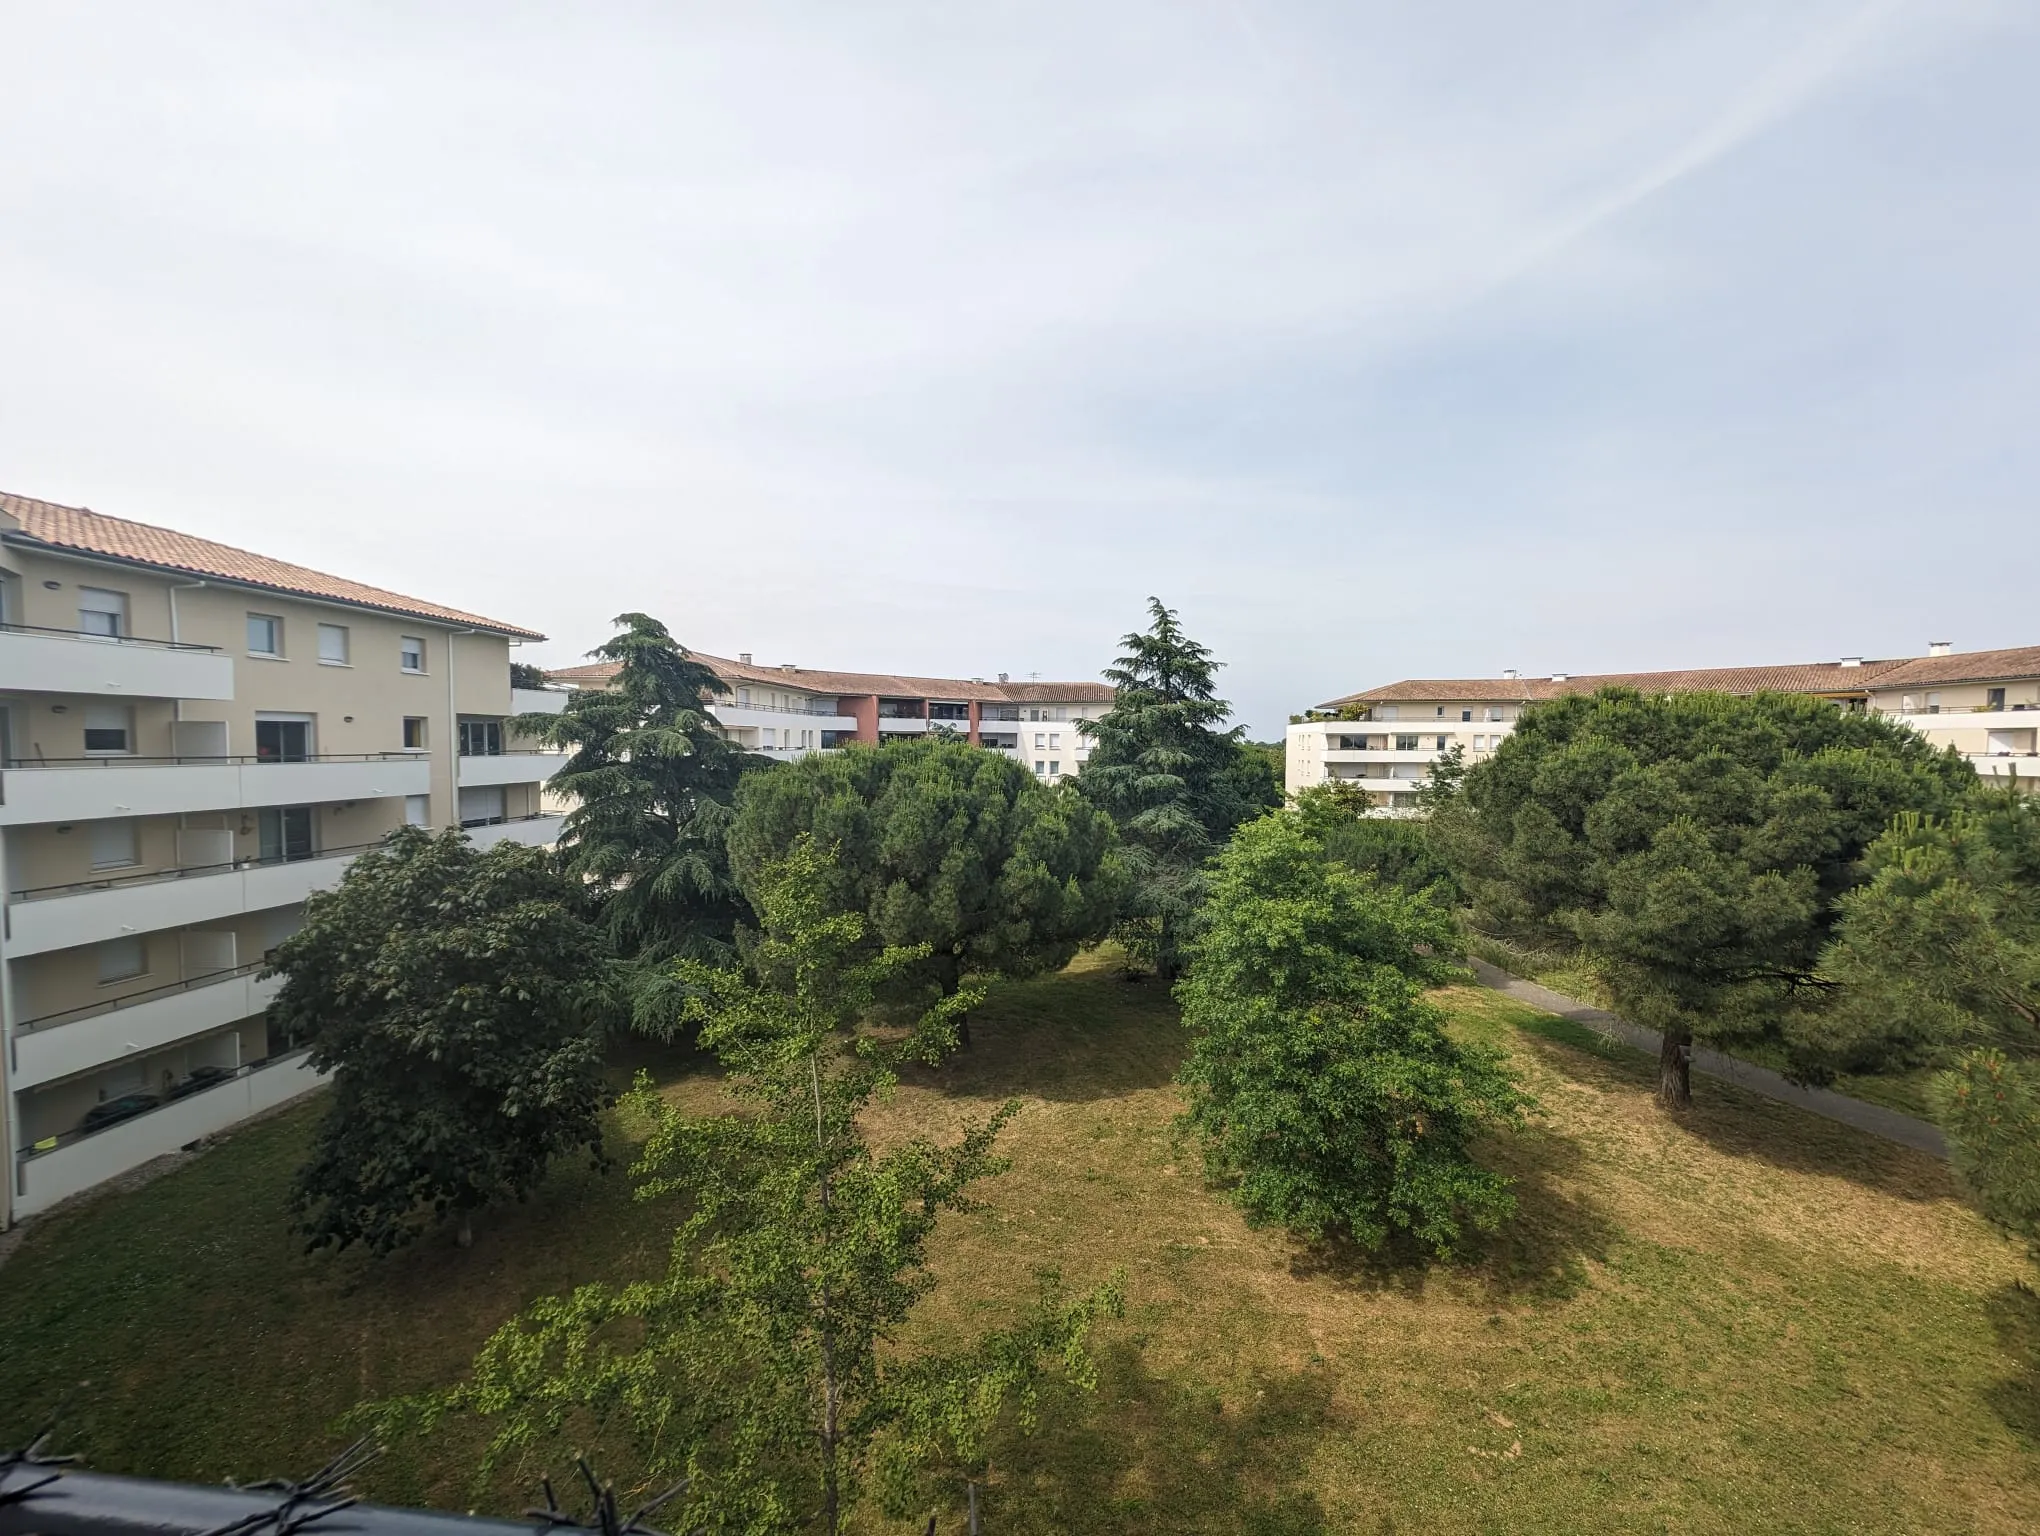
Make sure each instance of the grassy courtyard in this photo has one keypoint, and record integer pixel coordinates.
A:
(1743, 1319)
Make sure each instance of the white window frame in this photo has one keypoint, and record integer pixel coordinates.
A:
(119, 611)
(346, 646)
(275, 622)
(404, 643)
(126, 728)
(424, 724)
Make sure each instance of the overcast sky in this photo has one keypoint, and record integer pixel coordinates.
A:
(1383, 340)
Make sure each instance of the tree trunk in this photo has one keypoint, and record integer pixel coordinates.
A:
(830, 1437)
(1675, 1069)
(465, 1237)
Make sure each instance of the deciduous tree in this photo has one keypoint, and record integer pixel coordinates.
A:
(1173, 782)
(1328, 1095)
(765, 1365)
(459, 1003)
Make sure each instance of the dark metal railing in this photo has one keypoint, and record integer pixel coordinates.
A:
(50, 1144)
(93, 634)
(186, 872)
(776, 709)
(108, 1005)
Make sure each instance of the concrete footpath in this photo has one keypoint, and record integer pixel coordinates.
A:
(1874, 1118)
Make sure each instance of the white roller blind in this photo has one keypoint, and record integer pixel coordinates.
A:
(114, 843)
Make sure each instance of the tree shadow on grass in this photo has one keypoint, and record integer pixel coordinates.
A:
(1146, 1454)
(1736, 1122)
(2014, 1314)
(1079, 1035)
(1540, 1253)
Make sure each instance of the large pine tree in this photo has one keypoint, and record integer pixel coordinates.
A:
(653, 777)
(1175, 783)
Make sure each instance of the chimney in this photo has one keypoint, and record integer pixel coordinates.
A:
(1510, 674)
(744, 657)
(1939, 647)
(1852, 661)
(1559, 677)
(787, 666)
(1002, 677)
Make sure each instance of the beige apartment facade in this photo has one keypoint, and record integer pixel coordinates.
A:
(193, 739)
(787, 711)
(1383, 741)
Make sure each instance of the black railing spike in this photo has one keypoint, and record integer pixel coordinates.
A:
(603, 1517)
(31, 1455)
(310, 1499)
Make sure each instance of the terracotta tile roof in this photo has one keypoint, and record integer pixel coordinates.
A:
(857, 684)
(83, 531)
(2015, 664)
(1805, 677)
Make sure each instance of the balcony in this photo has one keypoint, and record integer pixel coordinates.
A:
(101, 1034)
(538, 701)
(482, 770)
(539, 831)
(820, 716)
(902, 725)
(86, 788)
(62, 1166)
(109, 666)
(1380, 755)
(87, 912)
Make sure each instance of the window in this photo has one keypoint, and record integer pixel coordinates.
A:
(286, 833)
(1466, 714)
(414, 733)
(1406, 743)
(1040, 767)
(283, 738)
(1993, 698)
(123, 959)
(481, 738)
(113, 844)
(101, 612)
(1055, 740)
(108, 728)
(1040, 740)
(1385, 712)
(481, 805)
(411, 653)
(1441, 711)
(333, 644)
(417, 810)
(1054, 768)
(744, 697)
(1494, 712)
(1933, 703)
(1444, 743)
(265, 635)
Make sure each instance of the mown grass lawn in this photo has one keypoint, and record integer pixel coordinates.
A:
(1741, 1319)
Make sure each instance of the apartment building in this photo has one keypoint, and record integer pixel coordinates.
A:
(1384, 740)
(194, 738)
(789, 711)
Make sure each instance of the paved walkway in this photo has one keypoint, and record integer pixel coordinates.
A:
(1874, 1118)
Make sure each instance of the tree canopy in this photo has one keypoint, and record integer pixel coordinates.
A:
(1173, 782)
(1693, 846)
(942, 845)
(652, 778)
(459, 1004)
(765, 1365)
(1326, 1090)
(1938, 958)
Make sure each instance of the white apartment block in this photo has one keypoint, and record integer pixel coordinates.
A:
(193, 739)
(1984, 704)
(788, 711)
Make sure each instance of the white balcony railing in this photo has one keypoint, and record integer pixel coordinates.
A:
(819, 717)
(84, 789)
(531, 831)
(46, 1175)
(103, 1034)
(59, 917)
(111, 666)
(538, 701)
(481, 771)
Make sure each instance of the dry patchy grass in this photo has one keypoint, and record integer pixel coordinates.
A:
(1743, 1318)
